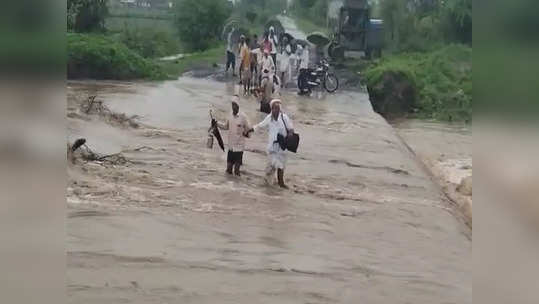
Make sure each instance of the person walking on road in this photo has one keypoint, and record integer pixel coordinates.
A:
(277, 123)
(230, 54)
(237, 125)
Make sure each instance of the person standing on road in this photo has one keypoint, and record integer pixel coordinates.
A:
(240, 47)
(237, 125)
(285, 62)
(268, 69)
(245, 54)
(273, 40)
(230, 54)
(277, 123)
(255, 57)
(303, 65)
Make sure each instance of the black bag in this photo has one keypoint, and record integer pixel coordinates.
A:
(265, 106)
(291, 142)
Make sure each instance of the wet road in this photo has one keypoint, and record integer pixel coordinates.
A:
(361, 223)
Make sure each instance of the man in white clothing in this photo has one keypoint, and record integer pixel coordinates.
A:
(236, 125)
(273, 39)
(268, 70)
(277, 123)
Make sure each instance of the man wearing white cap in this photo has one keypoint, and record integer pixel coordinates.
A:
(277, 123)
(237, 125)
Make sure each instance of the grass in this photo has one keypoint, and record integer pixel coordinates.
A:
(442, 80)
(206, 59)
(97, 56)
(118, 24)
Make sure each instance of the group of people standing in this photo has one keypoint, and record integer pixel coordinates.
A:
(258, 69)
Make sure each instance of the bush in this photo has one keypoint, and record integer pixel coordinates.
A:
(99, 57)
(150, 43)
(200, 21)
(442, 81)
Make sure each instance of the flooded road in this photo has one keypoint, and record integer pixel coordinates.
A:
(361, 222)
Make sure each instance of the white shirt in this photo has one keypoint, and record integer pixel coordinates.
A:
(236, 125)
(229, 42)
(304, 59)
(273, 41)
(274, 128)
(267, 64)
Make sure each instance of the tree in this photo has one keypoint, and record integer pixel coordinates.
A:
(86, 15)
(458, 19)
(200, 22)
(392, 11)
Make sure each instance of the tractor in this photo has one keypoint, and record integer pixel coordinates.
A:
(355, 31)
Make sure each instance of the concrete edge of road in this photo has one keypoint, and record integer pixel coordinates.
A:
(462, 206)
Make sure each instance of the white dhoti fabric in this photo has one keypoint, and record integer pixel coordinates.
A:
(276, 160)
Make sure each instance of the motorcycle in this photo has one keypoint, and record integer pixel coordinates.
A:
(320, 75)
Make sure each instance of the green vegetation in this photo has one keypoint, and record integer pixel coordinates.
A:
(149, 43)
(207, 59)
(200, 22)
(311, 15)
(441, 80)
(86, 15)
(100, 57)
(426, 24)
(428, 56)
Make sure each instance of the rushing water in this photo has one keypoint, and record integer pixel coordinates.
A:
(362, 221)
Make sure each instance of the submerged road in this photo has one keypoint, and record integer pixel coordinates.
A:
(362, 222)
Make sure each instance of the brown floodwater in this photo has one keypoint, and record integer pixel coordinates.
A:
(362, 221)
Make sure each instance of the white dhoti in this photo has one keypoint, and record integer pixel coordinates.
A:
(276, 160)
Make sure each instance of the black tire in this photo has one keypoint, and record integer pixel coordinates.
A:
(331, 78)
(302, 84)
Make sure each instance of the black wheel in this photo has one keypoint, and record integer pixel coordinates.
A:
(302, 84)
(331, 82)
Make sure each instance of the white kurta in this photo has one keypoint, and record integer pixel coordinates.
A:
(276, 155)
(285, 61)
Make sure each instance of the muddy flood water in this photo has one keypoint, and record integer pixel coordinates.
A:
(361, 223)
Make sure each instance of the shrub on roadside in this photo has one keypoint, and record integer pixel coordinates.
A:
(442, 81)
(99, 57)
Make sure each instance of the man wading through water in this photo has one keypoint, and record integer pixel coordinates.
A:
(237, 125)
(277, 123)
